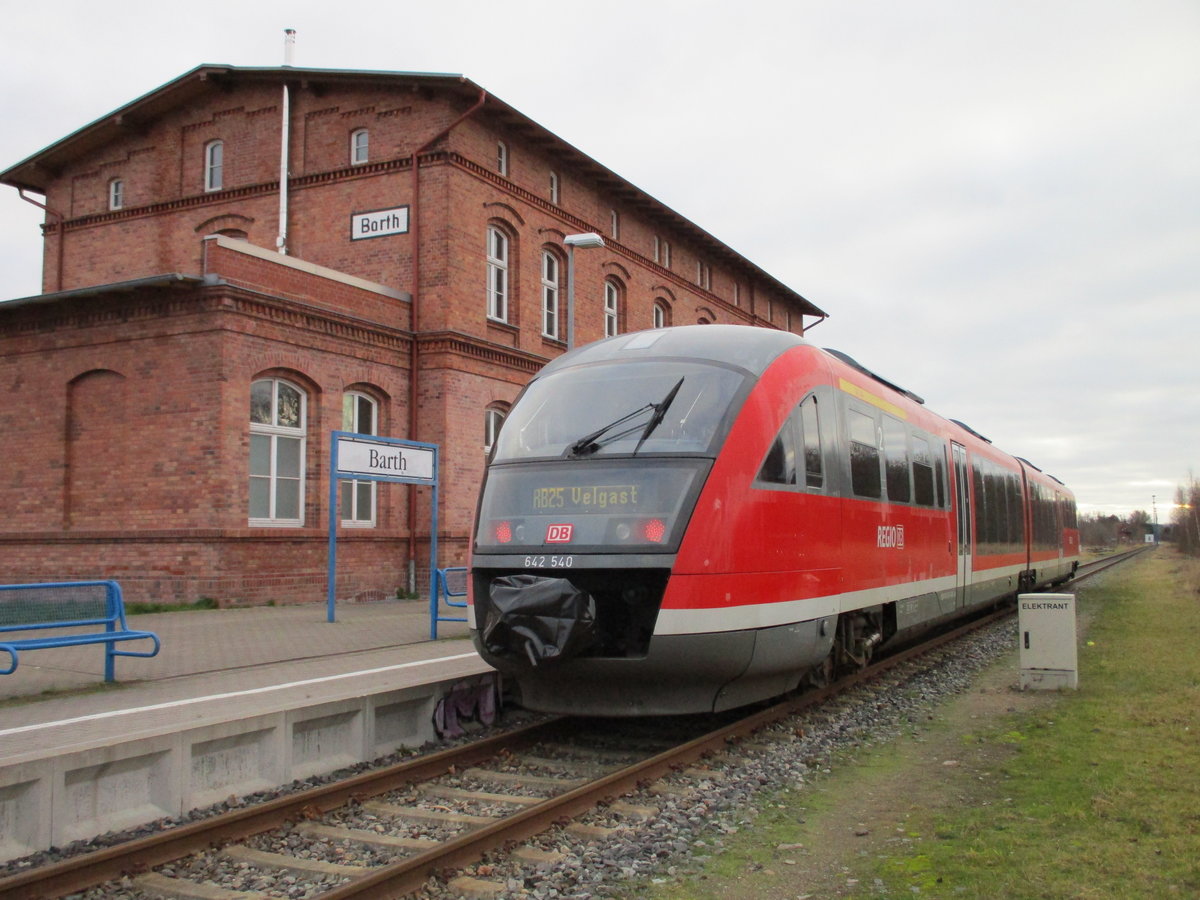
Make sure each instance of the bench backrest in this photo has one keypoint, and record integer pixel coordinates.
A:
(60, 603)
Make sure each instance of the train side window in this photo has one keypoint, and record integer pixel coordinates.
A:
(814, 472)
(865, 478)
(780, 465)
(922, 468)
(895, 453)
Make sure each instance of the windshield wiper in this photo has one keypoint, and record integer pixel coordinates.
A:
(590, 443)
(660, 412)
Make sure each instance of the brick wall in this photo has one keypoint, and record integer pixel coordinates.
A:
(127, 412)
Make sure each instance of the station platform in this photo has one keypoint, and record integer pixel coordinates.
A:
(237, 701)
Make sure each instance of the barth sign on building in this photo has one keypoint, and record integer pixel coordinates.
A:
(379, 223)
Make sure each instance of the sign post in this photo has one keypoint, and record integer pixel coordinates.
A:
(365, 457)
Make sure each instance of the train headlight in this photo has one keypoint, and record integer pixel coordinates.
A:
(623, 531)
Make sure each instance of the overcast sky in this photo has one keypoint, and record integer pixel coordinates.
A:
(998, 203)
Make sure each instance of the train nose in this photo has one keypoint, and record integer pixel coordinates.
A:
(542, 620)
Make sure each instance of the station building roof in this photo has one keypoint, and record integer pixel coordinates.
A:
(37, 172)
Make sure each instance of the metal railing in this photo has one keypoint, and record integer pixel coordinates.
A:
(447, 583)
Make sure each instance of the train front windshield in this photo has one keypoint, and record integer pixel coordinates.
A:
(608, 457)
(614, 409)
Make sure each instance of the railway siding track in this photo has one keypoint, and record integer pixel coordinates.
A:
(442, 812)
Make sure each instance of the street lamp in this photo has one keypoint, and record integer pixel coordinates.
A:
(584, 241)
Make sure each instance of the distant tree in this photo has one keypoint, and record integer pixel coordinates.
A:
(1186, 516)
(1096, 530)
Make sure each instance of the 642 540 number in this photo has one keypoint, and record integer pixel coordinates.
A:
(549, 562)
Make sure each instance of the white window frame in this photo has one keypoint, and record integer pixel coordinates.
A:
(666, 254)
(116, 194)
(498, 251)
(502, 158)
(360, 146)
(615, 224)
(275, 434)
(493, 418)
(551, 267)
(659, 315)
(353, 489)
(214, 166)
(554, 188)
(612, 308)
(703, 275)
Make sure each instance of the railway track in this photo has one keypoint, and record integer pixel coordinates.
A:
(463, 802)
(1087, 570)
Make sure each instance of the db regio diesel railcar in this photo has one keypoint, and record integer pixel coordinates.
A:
(691, 519)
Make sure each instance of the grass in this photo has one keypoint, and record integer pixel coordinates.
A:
(141, 609)
(1088, 795)
(1099, 797)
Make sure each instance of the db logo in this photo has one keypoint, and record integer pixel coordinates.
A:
(559, 534)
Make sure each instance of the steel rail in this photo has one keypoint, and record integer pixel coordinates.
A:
(142, 854)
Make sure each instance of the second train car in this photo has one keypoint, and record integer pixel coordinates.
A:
(690, 519)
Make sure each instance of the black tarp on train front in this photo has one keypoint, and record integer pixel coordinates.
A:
(537, 618)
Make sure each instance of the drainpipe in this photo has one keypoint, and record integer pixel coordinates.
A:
(62, 236)
(289, 45)
(414, 308)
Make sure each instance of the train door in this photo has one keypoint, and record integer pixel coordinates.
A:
(962, 511)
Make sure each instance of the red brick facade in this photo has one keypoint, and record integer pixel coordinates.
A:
(127, 385)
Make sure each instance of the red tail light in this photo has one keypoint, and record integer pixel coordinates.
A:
(654, 530)
(502, 532)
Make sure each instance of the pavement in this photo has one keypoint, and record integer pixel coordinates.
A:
(210, 651)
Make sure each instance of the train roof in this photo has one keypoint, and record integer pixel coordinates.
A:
(749, 347)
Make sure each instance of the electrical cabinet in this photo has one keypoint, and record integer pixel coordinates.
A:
(1049, 658)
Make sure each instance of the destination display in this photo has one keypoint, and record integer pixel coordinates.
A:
(586, 498)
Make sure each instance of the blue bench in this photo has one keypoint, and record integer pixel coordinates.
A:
(34, 609)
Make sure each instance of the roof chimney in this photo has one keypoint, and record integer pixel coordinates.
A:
(289, 45)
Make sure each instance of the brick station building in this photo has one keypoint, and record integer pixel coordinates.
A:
(168, 399)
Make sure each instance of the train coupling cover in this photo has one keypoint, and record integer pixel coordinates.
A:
(541, 619)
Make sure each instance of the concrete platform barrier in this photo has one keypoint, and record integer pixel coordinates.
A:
(123, 783)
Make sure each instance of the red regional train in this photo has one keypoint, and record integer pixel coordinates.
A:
(690, 519)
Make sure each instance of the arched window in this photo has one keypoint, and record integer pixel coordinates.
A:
(359, 141)
(214, 165)
(497, 274)
(662, 313)
(360, 414)
(612, 307)
(550, 272)
(277, 444)
(116, 194)
(493, 418)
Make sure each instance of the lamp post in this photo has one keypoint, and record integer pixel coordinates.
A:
(584, 241)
